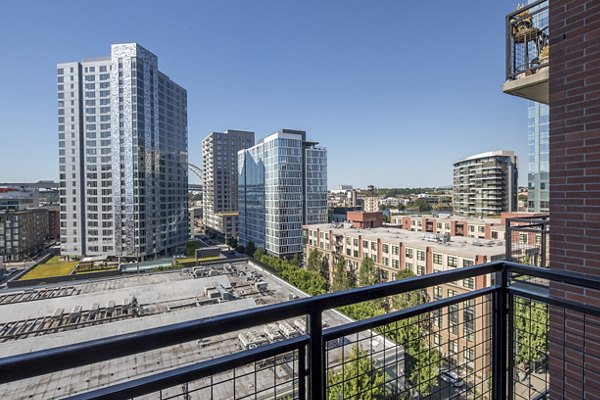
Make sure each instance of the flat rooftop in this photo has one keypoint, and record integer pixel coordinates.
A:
(457, 245)
(449, 217)
(59, 315)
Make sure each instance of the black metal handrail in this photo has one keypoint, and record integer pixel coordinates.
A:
(311, 345)
(75, 355)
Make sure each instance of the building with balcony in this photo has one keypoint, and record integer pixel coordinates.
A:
(282, 185)
(122, 135)
(486, 228)
(23, 233)
(485, 184)
(369, 203)
(393, 250)
(528, 52)
(220, 177)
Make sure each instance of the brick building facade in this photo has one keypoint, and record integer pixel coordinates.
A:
(574, 191)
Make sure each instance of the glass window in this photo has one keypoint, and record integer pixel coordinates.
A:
(469, 354)
(437, 258)
(420, 255)
(469, 283)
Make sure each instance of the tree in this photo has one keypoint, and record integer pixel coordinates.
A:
(341, 276)
(232, 242)
(314, 261)
(295, 259)
(259, 252)
(367, 274)
(324, 270)
(360, 378)
(310, 282)
(421, 362)
(190, 248)
(531, 328)
(250, 248)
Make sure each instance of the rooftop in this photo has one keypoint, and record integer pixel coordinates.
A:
(457, 244)
(130, 304)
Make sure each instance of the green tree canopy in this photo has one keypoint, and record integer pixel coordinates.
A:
(531, 327)
(232, 242)
(250, 248)
(314, 260)
(360, 378)
(259, 252)
(310, 282)
(342, 279)
(367, 274)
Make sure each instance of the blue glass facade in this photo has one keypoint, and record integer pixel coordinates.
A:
(282, 185)
(538, 178)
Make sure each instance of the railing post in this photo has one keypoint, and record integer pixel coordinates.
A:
(317, 375)
(509, 55)
(500, 337)
(510, 351)
(508, 240)
(302, 373)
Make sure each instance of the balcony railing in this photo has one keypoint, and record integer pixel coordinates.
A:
(528, 52)
(486, 343)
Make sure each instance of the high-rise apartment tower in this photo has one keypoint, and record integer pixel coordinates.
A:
(485, 184)
(122, 127)
(282, 185)
(220, 187)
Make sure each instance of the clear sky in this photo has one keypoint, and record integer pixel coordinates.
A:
(396, 90)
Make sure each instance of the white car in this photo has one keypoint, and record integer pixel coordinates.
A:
(452, 378)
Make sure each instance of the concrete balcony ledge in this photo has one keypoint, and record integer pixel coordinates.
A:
(533, 87)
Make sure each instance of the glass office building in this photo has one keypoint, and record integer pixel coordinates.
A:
(282, 185)
(538, 177)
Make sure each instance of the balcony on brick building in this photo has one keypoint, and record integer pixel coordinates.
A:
(527, 52)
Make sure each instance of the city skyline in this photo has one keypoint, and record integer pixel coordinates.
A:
(326, 77)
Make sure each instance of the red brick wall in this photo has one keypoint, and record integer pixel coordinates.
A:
(574, 188)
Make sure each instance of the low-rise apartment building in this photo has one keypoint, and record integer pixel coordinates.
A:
(23, 233)
(489, 228)
(453, 330)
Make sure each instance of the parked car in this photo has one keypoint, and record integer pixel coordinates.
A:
(452, 378)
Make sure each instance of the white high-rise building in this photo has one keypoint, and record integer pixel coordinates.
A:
(485, 184)
(220, 176)
(123, 156)
(282, 186)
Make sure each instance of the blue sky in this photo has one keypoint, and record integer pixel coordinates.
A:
(396, 90)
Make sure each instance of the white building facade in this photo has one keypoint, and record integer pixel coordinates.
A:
(122, 155)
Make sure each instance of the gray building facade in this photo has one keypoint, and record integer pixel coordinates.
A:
(485, 184)
(220, 176)
(123, 156)
(23, 233)
(282, 185)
